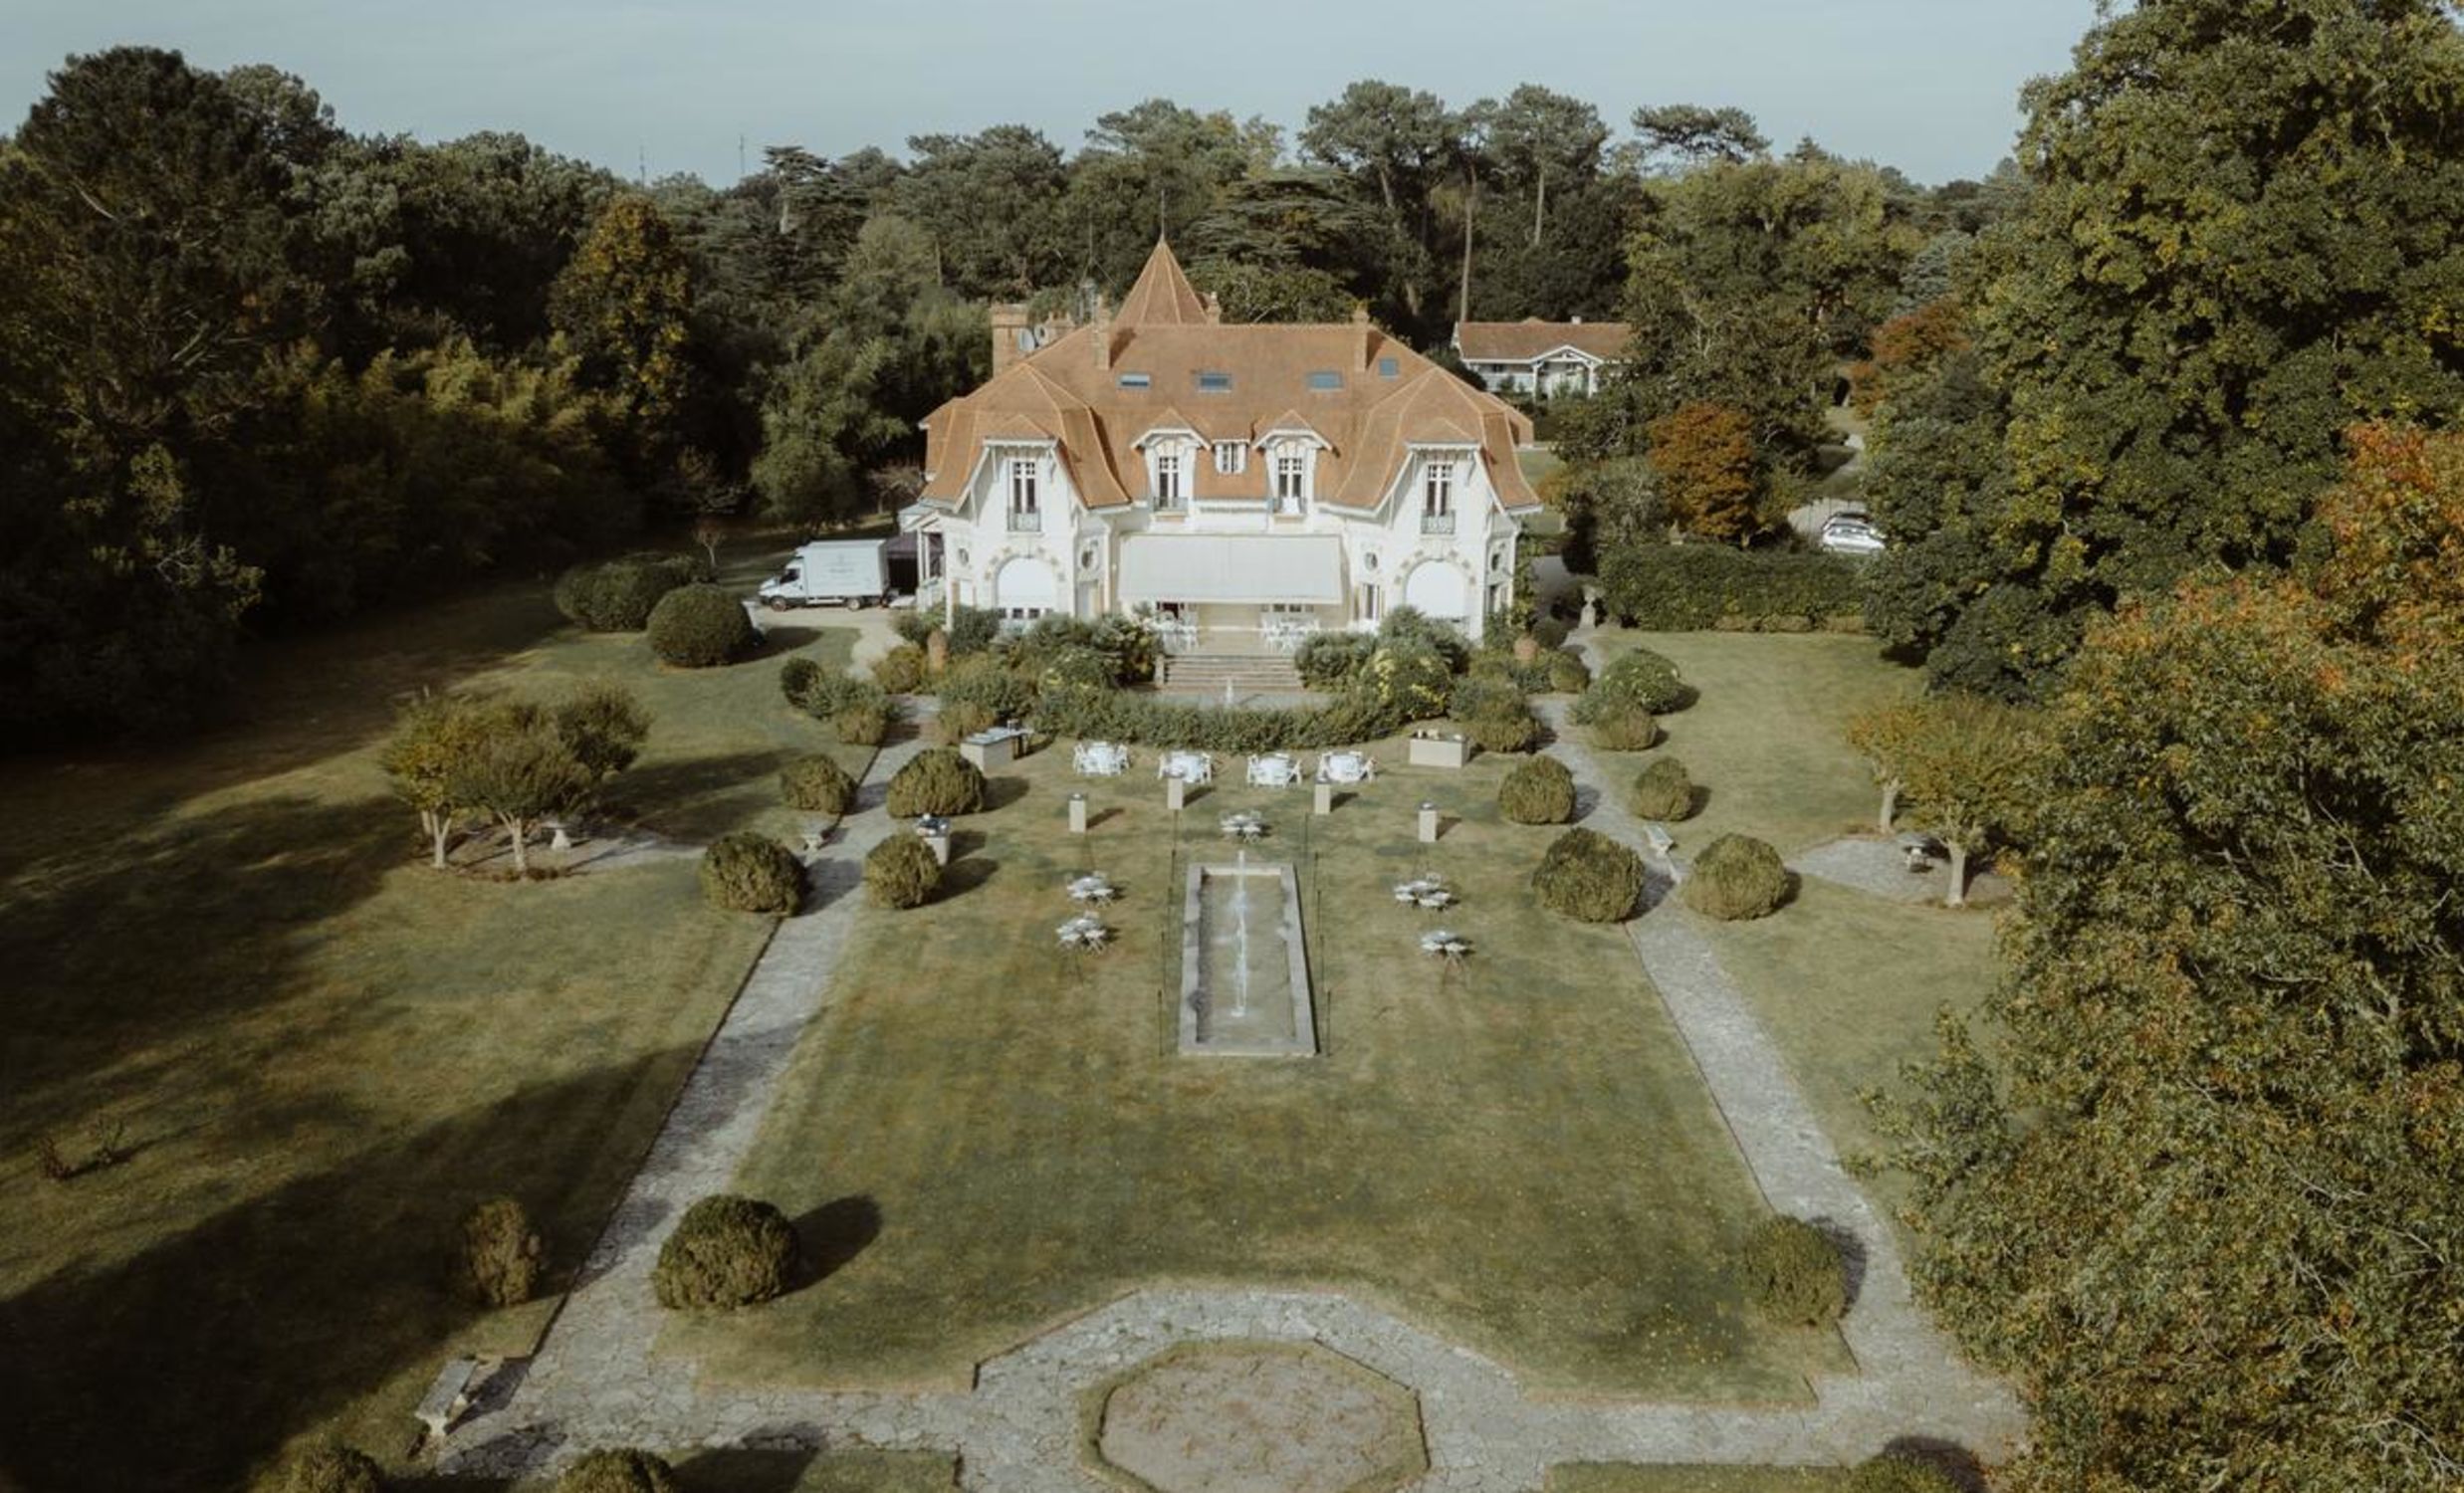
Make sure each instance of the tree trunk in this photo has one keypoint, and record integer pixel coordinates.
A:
(1472, 210)
(440, 833)
(521, 851)
(1890, 806)
(1539, 207)
(1958, 894)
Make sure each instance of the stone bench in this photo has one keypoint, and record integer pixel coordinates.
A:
(449, 1396)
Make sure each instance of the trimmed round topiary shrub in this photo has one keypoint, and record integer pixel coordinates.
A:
(1589, 877)
(901, 670)
(1735, 878)
(1663, 791)
(797, 678)
(726, 1252)
(1893, 1473)
(1637, 681)
(1567, 673)
(863, 725)
(1538, 791)
(1793, 1273)
(817, 784)
(498, 1256)
(901, 872)
(622, 1469)
(701, 627)
(936, 781)
(328, 1469)
(1625, 731)
(617, 595)
(1490, 709)
(746, 872)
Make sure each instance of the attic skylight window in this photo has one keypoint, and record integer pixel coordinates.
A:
(1136, 380)
(1326, 378)
(1390, 368)
(1215, 383)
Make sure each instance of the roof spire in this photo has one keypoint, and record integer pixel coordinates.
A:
(1163, 296)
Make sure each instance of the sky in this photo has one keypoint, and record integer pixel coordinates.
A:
(668, 85)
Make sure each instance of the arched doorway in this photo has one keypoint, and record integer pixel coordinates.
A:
(1025, 588)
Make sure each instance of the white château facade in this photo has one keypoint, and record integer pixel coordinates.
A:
(1244, 486)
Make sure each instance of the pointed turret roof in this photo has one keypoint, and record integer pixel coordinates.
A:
(1163, 296)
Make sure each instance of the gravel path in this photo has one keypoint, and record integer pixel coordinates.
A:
(1018, 1429)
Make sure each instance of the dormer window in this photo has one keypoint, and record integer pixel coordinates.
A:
(1437, 498)
(1231, 458)
(1025, 502)
(1325, 380)
(1389, 368)
(1137, 380)
(1291, 481)
(1215, 383)
(1171, 486)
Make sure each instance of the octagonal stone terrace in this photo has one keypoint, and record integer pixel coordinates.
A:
(1258, 1417)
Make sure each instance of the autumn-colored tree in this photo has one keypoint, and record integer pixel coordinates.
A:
(1963, 762)
(1880, 735)
(625, 302)
(1710, 480)
(2395, 574)
(1907, 347)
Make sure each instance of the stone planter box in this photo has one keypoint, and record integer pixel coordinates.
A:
(1440, 750)
(998, 748)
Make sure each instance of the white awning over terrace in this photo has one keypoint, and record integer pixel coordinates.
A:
(1232, 568)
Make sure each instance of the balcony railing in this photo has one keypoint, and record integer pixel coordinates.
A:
(1025, 521)
(1437, 523)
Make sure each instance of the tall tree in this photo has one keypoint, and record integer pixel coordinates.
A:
(991, 202)
(627, 303)
(2239, 239)
(1399, 142)
(1153, 168)
(1538, 140)
(1674, 136)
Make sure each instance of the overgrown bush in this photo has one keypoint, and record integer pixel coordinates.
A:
(863, 724)
(797, 678)
(746, 872)
(1156, 720)
(498, 1256)
(1640, 679)
(1107, 650)
(901, 670)
(961, 719)
(1567, 673)
(817, 784)
(1491, 711)
(700, 627)
(725, 1251)
(622, 1469)
(859, 711)
(1331, 660)
(970, 630)
(987, 682)
(901, 872)
(1551, 632)
(1538, 791)
(1738, 877)
(1692, 587)
(936, 781)
(1407, 627)
(1663, 790)
(1589, 877)
(1893, 1473)
(1793, 1273)
(1625, 731)
(1409, 678)
(617, 595)
(328, 1469)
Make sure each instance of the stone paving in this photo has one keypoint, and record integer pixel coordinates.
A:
(1020, 1428)
(1878, 868)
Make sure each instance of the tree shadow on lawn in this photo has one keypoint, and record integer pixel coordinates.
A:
(182, 1366)
(123, 943)
(698, 798)
(1001, 792)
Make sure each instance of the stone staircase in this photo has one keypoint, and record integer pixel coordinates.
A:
(1247, 673)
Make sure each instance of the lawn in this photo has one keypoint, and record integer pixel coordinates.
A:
(763, 1471)
(1766, 739)
(1847, 985)
(1604, 1477)
(225, 951)
(986, 1136)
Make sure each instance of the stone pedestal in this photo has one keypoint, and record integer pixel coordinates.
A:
(1428, 824)
(1077, 813)
(1429, 749)
(938, 842)
(1176, 792)
(1323, 801)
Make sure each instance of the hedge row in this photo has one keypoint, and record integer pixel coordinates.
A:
(617, 595)
(1704, 587)
(1155, 721)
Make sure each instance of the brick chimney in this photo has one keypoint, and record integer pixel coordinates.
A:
(1103, 332)
(1360, 337)
(1010, 336)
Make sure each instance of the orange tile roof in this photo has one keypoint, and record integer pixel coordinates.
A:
(1522, 342)
(1071, 391)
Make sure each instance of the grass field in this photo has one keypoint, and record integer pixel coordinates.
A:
(1765, 740)
(319, 1053)
(1597, 1477)
(986, 1136)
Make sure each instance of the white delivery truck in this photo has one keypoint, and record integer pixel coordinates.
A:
(848, 572)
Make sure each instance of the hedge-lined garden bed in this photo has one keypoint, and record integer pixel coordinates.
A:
(1710, 587)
